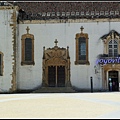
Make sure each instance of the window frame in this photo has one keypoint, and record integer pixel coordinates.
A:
(112, 48)
(79, 61)
(23, 61)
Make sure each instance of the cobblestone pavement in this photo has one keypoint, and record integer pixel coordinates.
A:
(60, 105)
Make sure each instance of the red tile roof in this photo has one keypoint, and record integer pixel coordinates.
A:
(36, 7)
(86, 8)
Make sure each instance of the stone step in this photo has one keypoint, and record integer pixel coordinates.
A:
(55, 90)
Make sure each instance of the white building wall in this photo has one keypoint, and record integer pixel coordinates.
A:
(6, 47)
(30, 77)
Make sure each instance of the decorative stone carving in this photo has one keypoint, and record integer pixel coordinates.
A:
(108, 67)
(111, 35)
(55, 61)
(55, 53)
(56, 56)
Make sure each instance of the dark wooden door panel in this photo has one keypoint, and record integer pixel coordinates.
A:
(61, 76)
(52, 76)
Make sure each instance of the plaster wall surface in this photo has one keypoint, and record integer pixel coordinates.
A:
(6, 47)
(30, 76)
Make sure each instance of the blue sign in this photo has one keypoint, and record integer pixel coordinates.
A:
(108, 60)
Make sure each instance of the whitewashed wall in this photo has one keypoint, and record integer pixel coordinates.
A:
(30, 76)
(6, 47)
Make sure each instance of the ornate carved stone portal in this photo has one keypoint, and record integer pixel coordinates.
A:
(56, 58)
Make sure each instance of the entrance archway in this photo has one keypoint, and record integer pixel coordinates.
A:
(56, 67)
(113, 82)
(107, 71)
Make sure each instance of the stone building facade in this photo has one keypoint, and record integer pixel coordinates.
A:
(59, 44)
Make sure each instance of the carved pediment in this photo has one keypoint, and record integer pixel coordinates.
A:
(55, 53)
(55, 61)
(111, 35)
(111, 67)
(78, 35)
(27, 35)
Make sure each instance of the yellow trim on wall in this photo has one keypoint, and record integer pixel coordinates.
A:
(23, 62)
(78, 35)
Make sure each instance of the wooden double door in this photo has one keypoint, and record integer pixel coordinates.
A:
(56, 76)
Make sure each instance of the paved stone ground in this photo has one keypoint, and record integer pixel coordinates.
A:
(60, 105)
